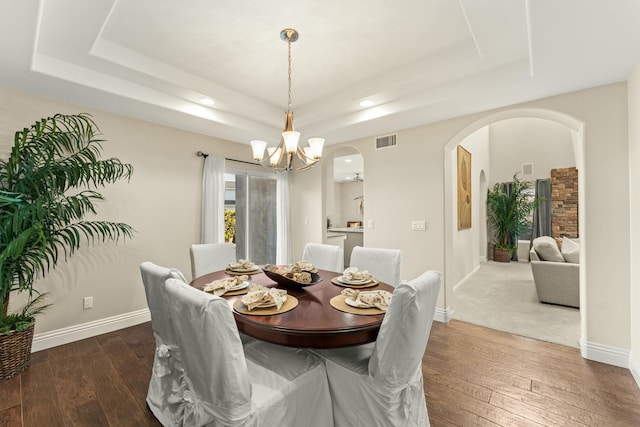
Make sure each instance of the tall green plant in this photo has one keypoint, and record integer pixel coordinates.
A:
(509, 212)
(47, 187)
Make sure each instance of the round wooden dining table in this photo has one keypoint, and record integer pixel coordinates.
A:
(314, 322)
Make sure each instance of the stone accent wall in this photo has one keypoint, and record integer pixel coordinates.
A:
(564, 203)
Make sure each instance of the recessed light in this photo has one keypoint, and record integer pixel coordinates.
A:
(348, 160)
(366, 103)
(207, 101)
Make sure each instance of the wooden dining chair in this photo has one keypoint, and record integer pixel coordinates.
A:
(210, 257)
(381, 384)
(167, 366)
(324, 257)
(227, 384)
(384, 264)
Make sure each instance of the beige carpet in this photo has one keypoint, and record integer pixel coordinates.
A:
(502, 296)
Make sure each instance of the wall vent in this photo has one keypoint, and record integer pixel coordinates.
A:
(527, 169)
(386, 141)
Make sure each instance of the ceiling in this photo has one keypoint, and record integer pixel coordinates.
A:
(419, 61)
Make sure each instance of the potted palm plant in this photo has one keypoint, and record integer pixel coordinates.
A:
(47, 187)
(509, 216)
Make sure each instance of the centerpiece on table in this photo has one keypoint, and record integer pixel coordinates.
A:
(298, 274)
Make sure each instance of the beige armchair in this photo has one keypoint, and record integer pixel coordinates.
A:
(557, 282)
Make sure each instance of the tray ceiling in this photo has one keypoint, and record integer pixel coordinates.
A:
(420, 61)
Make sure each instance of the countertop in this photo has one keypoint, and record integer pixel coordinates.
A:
(345, 230)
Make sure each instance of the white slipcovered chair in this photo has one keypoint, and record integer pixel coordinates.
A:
(167, 364)
(381, 384)
(324, 257)
(209, 257)
(227, 385)
(384, 264)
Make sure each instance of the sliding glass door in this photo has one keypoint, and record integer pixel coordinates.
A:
(252, 199)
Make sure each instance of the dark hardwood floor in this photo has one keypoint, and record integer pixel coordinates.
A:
(472, 375)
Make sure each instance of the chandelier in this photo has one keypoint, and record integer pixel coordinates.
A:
(288, 155)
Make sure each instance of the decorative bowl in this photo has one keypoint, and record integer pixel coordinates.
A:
(286, 281)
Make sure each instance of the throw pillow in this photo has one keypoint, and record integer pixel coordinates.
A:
(547, 249)
(570, 250)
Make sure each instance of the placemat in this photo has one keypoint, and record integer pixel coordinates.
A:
(289, 304)
(240, 273)
(338, 303)
(372, 283)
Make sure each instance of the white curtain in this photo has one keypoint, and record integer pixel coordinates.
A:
(282, 214)
(213, 200)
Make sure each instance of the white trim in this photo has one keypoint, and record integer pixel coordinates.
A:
(79, 332)
(634, 368)
(476, 268)
(470, 28)
(605, 354)
(443, 314)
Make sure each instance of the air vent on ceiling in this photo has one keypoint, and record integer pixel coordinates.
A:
(386, 141)
(527, 169)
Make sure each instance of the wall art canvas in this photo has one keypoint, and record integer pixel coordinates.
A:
(464, 188)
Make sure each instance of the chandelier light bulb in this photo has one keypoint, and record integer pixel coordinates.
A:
(316, 145)
(258, 147)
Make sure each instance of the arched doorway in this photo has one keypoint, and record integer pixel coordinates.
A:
(452, 273)
(343, 198)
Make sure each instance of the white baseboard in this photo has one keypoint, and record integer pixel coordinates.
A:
(634, 368)
(605, 354)
(87, 330)
(476, 268)
(443, 314)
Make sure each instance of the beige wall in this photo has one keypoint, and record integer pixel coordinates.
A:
(634, 197)
(406, 183)
(466, 243)
(162, 202)
(529, 140)
(349, 205)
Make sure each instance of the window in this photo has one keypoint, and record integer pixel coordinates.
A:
(250, 199)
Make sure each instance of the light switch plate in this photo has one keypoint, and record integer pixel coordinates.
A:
(418, 225)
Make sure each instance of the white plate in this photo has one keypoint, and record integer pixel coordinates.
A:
(341, 279)
(239, 286)
(243, 270)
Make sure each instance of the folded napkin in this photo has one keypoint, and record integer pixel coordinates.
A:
(303, 265)
(261, 296)
(368, 299)
(242, 264)
(352, 273)
(222, 286)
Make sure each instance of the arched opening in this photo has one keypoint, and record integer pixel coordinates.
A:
(456, 269)
(344, 197)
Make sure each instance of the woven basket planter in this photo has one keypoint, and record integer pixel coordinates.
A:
(501, 255)
(15, 352)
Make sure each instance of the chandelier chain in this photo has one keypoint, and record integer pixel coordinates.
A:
(289, 72)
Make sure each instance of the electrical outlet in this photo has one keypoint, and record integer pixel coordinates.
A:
(87, 302)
